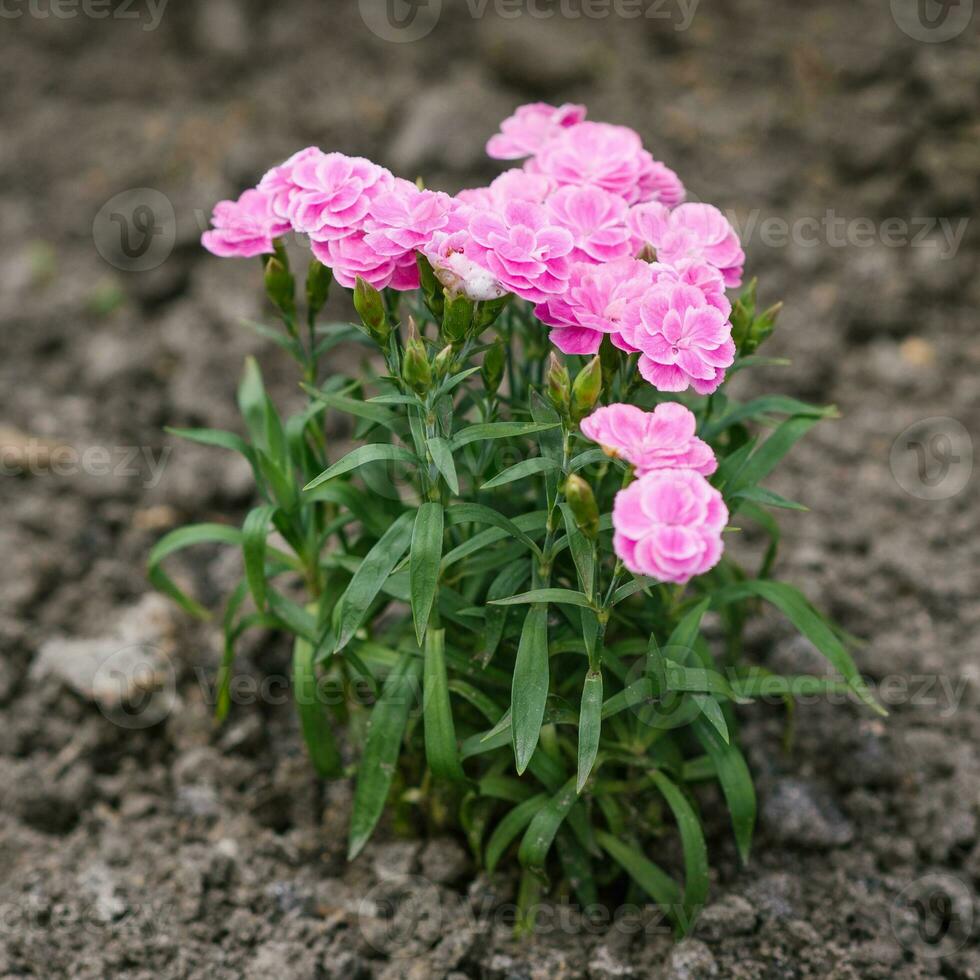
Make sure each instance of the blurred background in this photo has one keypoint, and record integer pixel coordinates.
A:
(843, 140)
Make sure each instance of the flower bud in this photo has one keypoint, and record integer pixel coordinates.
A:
(318, 280)
(581, 500)
(488, 310)
(444, 361)
(416, 370)
(431, 287)
(587, 388)
(558, 384)
(457, 319)
(279, 284)
(494, 362)
(371, 308)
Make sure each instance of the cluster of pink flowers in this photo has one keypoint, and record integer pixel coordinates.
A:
(668, 523)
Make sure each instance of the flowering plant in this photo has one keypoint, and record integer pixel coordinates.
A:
(506, 577)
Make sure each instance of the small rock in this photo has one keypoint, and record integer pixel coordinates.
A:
(395, 859)
(100, 885)
(444, 861)
(691, 960)
(800, 814)
(605, 966)
(732, 916)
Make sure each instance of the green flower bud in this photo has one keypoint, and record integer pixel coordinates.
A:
(587, 388)
(370, 307)
(444, 361)
(279, 284)
(431, 287)
(416, 370)
(488, 310)
(318, 278)
(581, 500)
(558, 384)
(494, 362)
(457, 319)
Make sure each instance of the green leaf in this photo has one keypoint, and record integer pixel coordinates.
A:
(214, 437)
(316, 730)
(498, 430)
(254, 532)
(369, 578)
(686, 631)
(184, 537)
(654, 881)
(566, 596)
(522, 470)
(372, 453)
(529, 693)
(442, 456)
(424, 561)
(352, 406)
(540, 834)
(581, 549)
(252, 402)
(441, 752)
(759, 408)
(795, 607)
(767, 456)
(386, 729)
(761, 495)
(478, 514)
(736, 783)
(511, 577)
(589, 727)
(511, 824)
(712, 711)
(694, 847)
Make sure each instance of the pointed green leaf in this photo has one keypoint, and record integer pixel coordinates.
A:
(372, 453)
(317, 734)
(589, 727)
(424, 561)
(442, 456)
(441, 752)
(511, 824)
(529, 694)
(540, 834)
(566, 596)
(254, 532)
(522, 470)
(498, 430)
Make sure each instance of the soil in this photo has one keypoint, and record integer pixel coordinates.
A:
(151, 844)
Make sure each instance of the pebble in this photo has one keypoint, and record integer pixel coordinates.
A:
(799, 813)
(691, 960)
(731, 916)
(444, 861)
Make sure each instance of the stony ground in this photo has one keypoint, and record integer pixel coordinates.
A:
(137, 850)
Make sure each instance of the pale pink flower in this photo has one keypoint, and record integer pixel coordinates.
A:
(244, 228)
(689, 233)
(595, 155)
(683, 342)
(668, 525)
(512, 185)
(594, 304)
(662, 439)
(333, 194)
(352, 256)
(705, 277)
(596, 219)
(530, 128)
(659, 183)
(278, 182)
(405, 218)
(523, 248)
(460, 274)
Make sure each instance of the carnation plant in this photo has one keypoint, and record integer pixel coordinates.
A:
(513, 596)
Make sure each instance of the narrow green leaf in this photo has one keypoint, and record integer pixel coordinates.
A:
(652, 879)
(566, 596)
(765, 459)
(589, 727)
(442, 456)
(353, 406)
(582, 551)
(522, 470)
(424, 561)
(498, 430)
(317, 734)
(386, 729)
(712, 711)
(252, 401)
(761, 495)
(441, 752)
(759, 408)
(529, 694)
(254, 531)
(540, 834)
(214, 437)
(479, 514)
(511, 824)
(372, 453)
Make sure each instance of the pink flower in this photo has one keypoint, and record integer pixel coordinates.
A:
(705, 277)
(332, 194)
(659, 183)
(523, 249)
(405, 218)
(278, 182)
(512, 185)
(352, 256)
(595, 155)
(661, 439)
(460, 274)
(530, 128)
(668, 525)
(689, 233)
(244, 228)
(594, 304)
(596, 219)
(682, 340)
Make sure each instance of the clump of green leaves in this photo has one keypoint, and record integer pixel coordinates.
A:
(456, 565)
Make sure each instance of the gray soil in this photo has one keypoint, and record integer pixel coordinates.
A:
(150, 844)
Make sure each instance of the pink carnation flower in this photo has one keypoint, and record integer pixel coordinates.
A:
(244, 228)
(594, 304)
(683, 342)
(512, 185)
(595, 155)
(460, 274)
(278, 183)
(352, 256)
(668, 525)
(689, 233)
(661, 439)
(530, 128)
(596, 219)
(705, 277)
(523, 248)
(659, 183)
(332, 194)
(405, 218)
